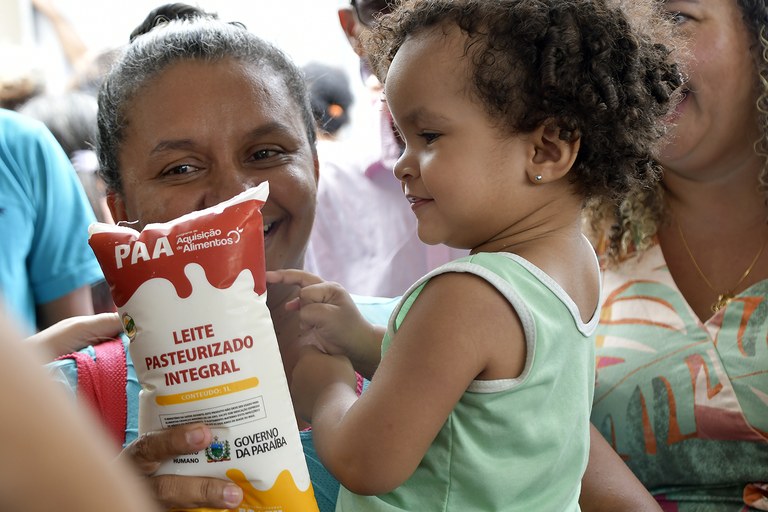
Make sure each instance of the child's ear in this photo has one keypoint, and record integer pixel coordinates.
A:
(551, 157)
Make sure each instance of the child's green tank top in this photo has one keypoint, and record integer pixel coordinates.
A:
(509, 445)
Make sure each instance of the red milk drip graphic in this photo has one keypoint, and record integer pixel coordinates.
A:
(224, 242)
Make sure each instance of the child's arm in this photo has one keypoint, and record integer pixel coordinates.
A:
(460, 328)
(328, 312)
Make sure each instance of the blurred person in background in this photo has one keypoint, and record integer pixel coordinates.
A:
(71, 118)
(46, 265)
(88, 66)
(330, 96)
(364, 236)
(21, 77)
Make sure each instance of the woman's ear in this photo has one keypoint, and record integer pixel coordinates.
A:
(116, 207)
(552, 157)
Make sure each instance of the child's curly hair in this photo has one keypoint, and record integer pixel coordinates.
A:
(589, 67)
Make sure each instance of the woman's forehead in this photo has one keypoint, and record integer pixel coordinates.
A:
(198, 72)
(218, 87)
(205, 103)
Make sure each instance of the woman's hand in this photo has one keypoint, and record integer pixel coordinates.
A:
(172, 491)
(334, 324)
(72, 334)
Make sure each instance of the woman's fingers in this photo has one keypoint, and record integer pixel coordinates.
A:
(185, 492)
(292, 276)
(74, 333)
(313, 289)
(153, 448)
(101, 327)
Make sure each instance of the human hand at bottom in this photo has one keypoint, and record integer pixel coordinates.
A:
(316, 372)
(173, 491)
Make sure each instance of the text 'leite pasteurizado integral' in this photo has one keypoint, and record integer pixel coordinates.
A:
(192, 296)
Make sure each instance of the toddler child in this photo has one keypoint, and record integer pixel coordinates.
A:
(514, 114)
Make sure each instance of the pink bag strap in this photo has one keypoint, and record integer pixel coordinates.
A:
(101, 382)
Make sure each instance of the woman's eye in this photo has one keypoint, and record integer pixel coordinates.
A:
(180, 170)
(429, 137)
(263, 154)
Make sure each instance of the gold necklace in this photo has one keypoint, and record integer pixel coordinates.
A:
(725, 297)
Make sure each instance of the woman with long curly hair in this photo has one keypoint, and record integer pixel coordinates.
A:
(682, 359)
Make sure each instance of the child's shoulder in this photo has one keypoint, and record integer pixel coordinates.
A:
(491, 260)
(498, 268)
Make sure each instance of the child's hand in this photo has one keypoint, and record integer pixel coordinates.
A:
(316, 373)
(327, 311)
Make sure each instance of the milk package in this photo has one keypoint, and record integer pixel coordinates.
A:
(192, 297)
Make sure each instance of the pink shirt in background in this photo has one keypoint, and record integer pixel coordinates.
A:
(364, 236)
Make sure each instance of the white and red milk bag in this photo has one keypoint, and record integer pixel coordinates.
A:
(192, 296)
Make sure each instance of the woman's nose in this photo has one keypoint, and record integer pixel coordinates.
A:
(226, 184)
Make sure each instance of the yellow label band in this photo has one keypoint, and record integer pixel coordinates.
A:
(205, 393)
(284, 495)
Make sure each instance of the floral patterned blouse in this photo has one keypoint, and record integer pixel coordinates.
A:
(684, 403)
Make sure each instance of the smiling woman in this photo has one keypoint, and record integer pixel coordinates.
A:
(194, 113)
(682, 364)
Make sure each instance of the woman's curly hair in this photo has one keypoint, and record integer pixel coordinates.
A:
(636, 222)
(589, 67)
(755, 16)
